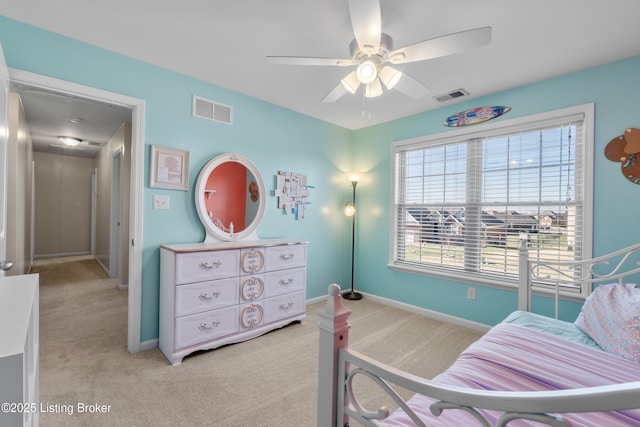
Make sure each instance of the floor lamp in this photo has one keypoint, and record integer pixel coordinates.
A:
(350, 210)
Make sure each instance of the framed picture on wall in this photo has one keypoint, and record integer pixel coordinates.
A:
(169, 168)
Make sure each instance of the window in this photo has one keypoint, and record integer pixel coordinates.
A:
(463, 200)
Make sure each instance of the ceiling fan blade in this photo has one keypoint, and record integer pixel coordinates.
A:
(304, 60)
(441, 46)
(411, 87)
(335, 94)
(366, 20)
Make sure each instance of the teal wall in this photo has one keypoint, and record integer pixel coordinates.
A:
(273, 138)
(615, 90)
(276, 139)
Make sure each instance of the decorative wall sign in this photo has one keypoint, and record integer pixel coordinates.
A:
(626, 149)
(169, 168)
(292, 192)
(475, 116)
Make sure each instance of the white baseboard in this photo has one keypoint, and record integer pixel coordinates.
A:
(417, 310)
(316, 299)
(149, 345)
(429, 313)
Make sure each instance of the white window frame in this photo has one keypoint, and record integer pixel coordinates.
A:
(486, 130)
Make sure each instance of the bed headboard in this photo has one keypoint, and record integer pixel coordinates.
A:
(617, 266)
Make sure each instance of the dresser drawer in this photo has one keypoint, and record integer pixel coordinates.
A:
(285, 256)
(251, 261)
(283, 306)
(207, 265)
(280, 282)
(203, 296)
(251, 288)
(198, 328)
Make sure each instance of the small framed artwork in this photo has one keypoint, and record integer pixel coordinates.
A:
(169, 168)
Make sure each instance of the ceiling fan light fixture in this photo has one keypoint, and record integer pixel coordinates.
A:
(69, 141)
(390, 76)
(351, 82)
(373, 89)
(367, 71)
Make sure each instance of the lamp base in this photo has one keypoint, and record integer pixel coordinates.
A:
(351, 295)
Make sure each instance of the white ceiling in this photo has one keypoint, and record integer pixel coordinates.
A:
(225, 43)
(51, 115)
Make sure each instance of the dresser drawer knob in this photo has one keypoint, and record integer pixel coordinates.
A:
(286, 306)
(206, 297)
(204, 265)
(287, 257)
(285, 282)
(205, 327)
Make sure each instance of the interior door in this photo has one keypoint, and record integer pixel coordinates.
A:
(4, 137)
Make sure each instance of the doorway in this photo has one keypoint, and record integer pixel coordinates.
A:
(134, 237)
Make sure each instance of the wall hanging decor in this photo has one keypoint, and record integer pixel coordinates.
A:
(475, 116)
(625, 149)
(292, 192)
(169, 168)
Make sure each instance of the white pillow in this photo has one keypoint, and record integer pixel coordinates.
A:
(611, 317)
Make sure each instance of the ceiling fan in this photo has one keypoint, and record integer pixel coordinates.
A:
(372, 51)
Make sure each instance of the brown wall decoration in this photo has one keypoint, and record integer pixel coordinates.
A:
(626, 149)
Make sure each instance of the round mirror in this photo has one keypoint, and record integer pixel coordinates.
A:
(230, 198)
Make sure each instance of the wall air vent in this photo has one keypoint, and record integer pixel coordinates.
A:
(451, 95)
(211, 110)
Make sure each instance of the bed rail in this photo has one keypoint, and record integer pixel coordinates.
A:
(338, 366)
(613, 267)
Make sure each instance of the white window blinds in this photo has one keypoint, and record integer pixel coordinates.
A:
(463, 202)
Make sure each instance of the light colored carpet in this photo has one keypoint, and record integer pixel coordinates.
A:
(269, 381)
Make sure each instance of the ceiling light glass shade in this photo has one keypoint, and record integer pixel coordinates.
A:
(354, 176)
(71, 142)
(373, 89)
(351, 82)
(349, 209)
(367, 71)
(390, 76)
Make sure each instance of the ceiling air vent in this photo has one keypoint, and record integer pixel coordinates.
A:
(451, 95)
(211, 110)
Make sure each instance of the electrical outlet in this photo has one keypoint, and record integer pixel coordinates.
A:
(160, 201)
(471, 293)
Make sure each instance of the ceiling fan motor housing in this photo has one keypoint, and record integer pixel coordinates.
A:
(386, 45)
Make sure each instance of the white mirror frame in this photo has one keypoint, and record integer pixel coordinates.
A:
(214, 233)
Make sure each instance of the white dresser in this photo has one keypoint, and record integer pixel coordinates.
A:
(212, 294)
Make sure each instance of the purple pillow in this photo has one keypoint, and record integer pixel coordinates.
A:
(611, 317)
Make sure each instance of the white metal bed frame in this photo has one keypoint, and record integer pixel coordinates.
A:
(339, 365)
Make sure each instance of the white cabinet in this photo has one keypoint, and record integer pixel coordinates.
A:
(19, 349)
(212, 294)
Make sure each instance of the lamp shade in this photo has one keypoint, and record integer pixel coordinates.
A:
(354, 176)
(349, 209)
(390, 76)
(373, 89)
(367, 71)
(351, 82)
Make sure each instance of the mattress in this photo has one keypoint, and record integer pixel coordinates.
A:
(511, 357)
(560, 328)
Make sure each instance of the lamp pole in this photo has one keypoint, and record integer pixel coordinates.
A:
(353, 295)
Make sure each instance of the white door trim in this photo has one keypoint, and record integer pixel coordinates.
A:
(137, 180)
